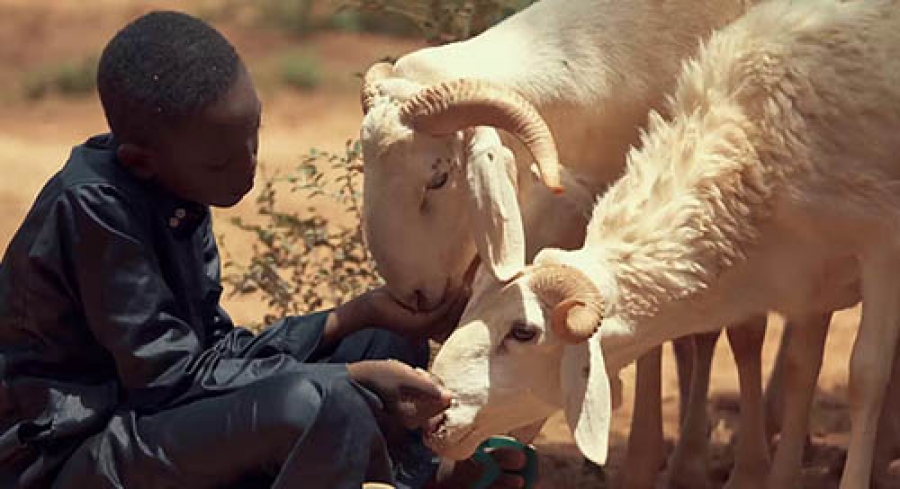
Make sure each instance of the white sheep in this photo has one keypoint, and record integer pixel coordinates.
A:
(772, 184)
(585, 72)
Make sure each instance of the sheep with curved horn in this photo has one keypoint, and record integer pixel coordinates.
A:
(773, 184)
(440, 188)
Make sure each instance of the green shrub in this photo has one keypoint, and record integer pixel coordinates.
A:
(68, 78)
(301, 263)
(300, 70)
(294, 16)
(441, 21)
(349, 19)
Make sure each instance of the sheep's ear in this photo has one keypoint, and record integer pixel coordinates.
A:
(588, 398)
(493, 206)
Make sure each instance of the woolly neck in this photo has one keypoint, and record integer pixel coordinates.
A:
(688, 208)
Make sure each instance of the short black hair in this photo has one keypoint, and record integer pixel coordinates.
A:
(160, 68)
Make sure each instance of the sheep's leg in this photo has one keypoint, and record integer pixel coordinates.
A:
(685, 351)
(802, 350)
(870, 363)
(689, 463)
(751, 459)
(887, 444)
(774, 392)
(644, 455)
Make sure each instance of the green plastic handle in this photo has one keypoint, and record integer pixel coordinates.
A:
(491, 470)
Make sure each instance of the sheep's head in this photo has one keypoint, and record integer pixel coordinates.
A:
(524, 349)
(439, 184)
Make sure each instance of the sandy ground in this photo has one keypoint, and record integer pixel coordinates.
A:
(35, 139)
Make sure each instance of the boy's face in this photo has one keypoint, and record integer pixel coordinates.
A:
(211, 157)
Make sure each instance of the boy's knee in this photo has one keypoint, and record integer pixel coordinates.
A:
(292, 403)
(345, 400)
(297, 403)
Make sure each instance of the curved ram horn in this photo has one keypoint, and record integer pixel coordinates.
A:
(577, 304)
(368, 93)
(451, 106)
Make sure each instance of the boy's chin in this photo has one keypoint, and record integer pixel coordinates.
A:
(230, 199)
(228, 202)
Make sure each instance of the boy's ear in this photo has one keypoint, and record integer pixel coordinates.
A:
(137, 159)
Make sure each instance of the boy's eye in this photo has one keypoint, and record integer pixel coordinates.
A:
(523, 332)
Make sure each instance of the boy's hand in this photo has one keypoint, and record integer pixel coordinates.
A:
(409, 395)
(384, 311)
(377, 308)
(465, 473)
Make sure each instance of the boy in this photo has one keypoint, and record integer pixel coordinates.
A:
(118, 367)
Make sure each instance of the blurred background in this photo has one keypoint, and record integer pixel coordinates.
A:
(293, 244)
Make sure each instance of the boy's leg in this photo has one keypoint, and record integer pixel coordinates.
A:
(285, 429)
(414, 464)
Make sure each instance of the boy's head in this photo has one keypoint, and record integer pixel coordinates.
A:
(182, 106)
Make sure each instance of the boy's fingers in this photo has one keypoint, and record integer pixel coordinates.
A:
(446, 395)
(463, 296)
(442, 310)
(455, 301)
(419, 383)
(449, 319)
(508, 458)
(416, 411)
(508, 481)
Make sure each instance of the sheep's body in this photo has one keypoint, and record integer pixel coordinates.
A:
(774, 185)
(592, 69)
(778, 172)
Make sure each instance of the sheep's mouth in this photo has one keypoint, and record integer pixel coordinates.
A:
(439, 430)
(452, 286)
(450, 443)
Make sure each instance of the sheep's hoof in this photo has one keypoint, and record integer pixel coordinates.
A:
(750, 476)
(591, 475)
(687, 472)
(643, 480)
(698, 481)
(745, 481)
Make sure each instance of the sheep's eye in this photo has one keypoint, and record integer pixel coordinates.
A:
(523, 332)
(437, 180)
